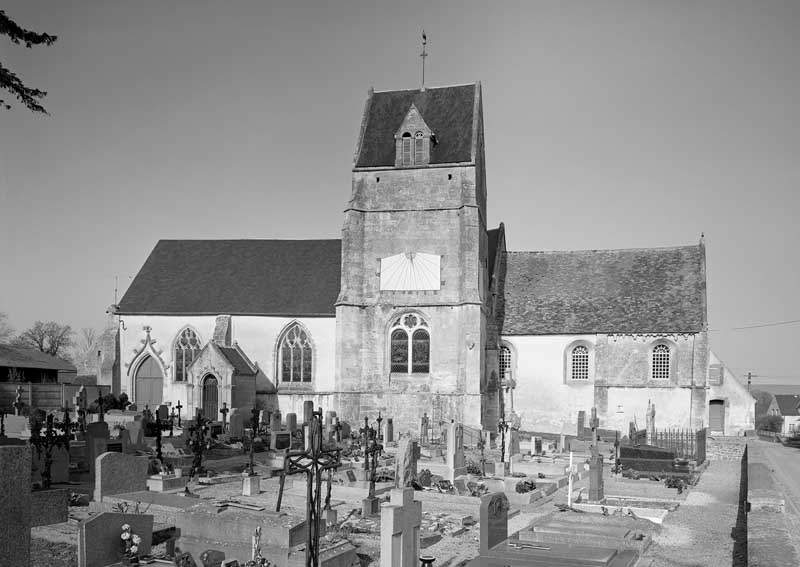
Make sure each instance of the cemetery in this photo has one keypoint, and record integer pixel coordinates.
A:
(255, 487)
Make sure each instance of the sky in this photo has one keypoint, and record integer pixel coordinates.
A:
(613, 124)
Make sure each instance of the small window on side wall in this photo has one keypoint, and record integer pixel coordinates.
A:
(660, 362)
(407, 155)
(579, 363)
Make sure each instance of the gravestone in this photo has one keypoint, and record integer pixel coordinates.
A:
(400, 523)
(99, 541)
(581, 424)
(405, 468)
(15, 503)
(651, 423)
(118, 473)
(494, 520)
(424, 429)
(136, 431)
(96, 443)
(212, 558)
(236, 429)
(280, 440)
(308, 411)
(162, 412)
(275, 421)
(17, 427)
(388, 435)
(291, 422)
(455, 451)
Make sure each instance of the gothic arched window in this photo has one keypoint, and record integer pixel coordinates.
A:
(187, 347)
(660, 362)
(410, 344)
(295, 355)
(406, 147)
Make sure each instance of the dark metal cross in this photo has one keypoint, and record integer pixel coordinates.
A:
(502, 428)
(178, 407)
(380, 431)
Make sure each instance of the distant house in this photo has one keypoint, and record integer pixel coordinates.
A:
(787, 406)
(21, 364)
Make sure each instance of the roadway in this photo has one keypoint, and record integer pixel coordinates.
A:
(785, 464)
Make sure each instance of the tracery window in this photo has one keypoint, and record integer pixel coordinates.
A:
(295, 355)
(410, 345)
(505, 362)
(660, 362)
(187, 347)
(406, 147)
(580, 363)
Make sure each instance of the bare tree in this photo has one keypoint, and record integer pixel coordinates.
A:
(50, 337)
(6, 331)
(82, 354)
(9, 81)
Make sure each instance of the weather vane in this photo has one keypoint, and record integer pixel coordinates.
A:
(423, 55)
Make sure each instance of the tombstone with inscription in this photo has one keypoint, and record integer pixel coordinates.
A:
(494, 520)
(236, 428)
(388, 434)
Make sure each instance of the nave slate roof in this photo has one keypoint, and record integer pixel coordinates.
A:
(237, 277)
(23, 357)
(450, 112)
(648, 290)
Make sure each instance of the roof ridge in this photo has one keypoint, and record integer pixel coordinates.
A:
(590, 250)
(249, 239)
(472, 84)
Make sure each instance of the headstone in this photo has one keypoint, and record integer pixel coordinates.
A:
(400, 523)
(162, 412)
(275, 421)
(15, 503)
(118, 473)
(280, 440)
(99, 537)
(454, 458)
(329, 415)
(230, 563)
(388, 435)
(494, 520)
(185, 560)
(405, 469)
(96, 443)
(581, 424)
(291, 422)
(308, 411)
(59, 468)
(236, 429)
(424, 429)
(136, 432)
(212, 558)
(351, 476)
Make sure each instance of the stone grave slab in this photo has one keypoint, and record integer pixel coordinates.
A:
(515, 553)
(15, 502)
(596, 535)
(164, 483)
(99, 541)
(118, 473)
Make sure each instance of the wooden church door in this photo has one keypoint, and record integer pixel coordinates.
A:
(149, 384)
(716, 415)
(210, 398)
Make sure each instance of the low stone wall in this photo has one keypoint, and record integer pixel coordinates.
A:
(719, 448)
(768, 540)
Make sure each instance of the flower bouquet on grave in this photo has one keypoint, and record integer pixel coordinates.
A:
(131, 541)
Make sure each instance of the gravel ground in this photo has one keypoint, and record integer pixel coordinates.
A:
(701, 531)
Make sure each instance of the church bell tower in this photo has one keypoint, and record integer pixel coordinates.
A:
(411, 316)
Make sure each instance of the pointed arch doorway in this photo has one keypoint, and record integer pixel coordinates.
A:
(149, 384)
(210, 397)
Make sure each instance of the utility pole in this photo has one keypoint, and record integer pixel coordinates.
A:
(750, 380)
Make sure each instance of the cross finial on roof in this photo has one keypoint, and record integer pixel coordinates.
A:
(423, 55)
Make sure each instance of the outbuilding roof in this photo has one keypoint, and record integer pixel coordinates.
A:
(237, 360)
(646, 290)
(23, 357)
(788, 404)
(448, 111)
(237, 277)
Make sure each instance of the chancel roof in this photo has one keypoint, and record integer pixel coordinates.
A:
(648, 290)
(237, 277)
(237, 360)
(448, 111)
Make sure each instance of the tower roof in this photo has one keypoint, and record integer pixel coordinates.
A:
(448, 111)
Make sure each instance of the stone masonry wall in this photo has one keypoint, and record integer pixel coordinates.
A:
(725, 448)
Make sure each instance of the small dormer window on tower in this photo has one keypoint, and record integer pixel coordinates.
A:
(413, 140)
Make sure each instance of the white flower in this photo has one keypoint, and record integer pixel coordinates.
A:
(125, 536)
(136, 539)
(134, 549)
(126, 527)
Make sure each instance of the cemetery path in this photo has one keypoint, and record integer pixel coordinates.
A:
(699, 532)
(785, 464)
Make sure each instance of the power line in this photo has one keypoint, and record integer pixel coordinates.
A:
(774, 324)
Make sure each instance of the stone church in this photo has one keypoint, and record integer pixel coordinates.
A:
(419, 307)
